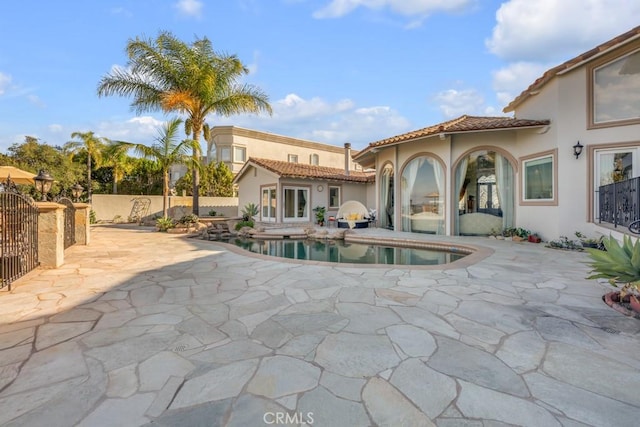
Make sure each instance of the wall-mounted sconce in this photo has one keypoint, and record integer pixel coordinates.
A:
(577, 149)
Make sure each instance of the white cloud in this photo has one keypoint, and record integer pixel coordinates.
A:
(454, 102)
(407, 8)
(556, 30)
(5, 80)
(509, 81)
(35, 100)
(55, 128)
(142, 129)
(121, 11)
(190, 8)
(318, 120)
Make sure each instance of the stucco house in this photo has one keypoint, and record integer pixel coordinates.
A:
(234, 145)
(573, 130)
(287, 192)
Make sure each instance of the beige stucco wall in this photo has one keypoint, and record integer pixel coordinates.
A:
(274, 147)
(110, 207)
(565, 100)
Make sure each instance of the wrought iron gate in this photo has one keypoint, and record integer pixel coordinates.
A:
(69, 221)
(18, 234)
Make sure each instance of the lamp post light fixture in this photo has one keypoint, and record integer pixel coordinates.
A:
(577, 149)
(43, 183)
(76, 191)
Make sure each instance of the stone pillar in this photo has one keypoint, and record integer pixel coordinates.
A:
(50, 234)
(82, 223)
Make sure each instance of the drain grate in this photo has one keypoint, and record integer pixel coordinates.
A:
(180, 348)
(609, 330)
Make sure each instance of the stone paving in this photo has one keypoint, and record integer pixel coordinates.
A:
(145, 328)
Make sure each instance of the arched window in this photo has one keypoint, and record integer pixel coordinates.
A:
(386, 197)
(314, 159)
(484, 185)
(422, 195)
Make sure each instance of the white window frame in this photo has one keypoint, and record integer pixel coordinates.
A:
(597, 153)
(268, 213)
(314, 159)
(243, 157)
(225, 154)
(306, 215)
(335, 187)
(292, 158)
(553, 200)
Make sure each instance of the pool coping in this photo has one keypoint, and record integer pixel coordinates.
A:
(473, 253)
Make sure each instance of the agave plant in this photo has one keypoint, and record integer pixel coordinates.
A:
(620, 264)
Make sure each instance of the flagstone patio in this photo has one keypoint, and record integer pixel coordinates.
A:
(146, 328)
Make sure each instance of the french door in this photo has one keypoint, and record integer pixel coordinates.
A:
(269, 204)
(296, 204)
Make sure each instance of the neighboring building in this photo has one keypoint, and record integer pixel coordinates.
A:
(287, 192)
(474, 174)
(234, 145)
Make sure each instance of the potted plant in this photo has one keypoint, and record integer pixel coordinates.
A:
(521, 234)
(534, 238)
(320, 211)
(620, 265)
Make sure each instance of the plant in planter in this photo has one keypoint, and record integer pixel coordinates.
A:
(565, 243)
(520, 234)
(320, 211)
(588, 242)
(620, 265)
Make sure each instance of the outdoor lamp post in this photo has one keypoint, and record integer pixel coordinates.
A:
(77, 190)
(43, 183)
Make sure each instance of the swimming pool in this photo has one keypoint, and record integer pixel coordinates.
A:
(338, 251)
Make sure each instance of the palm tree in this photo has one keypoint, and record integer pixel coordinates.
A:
(92, 146)
(169, 75)
(115, 155)
(166, 151)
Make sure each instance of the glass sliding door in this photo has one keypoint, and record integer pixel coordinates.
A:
(296, 204)
(269, 204)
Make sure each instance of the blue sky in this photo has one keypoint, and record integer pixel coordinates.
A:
(335, 71)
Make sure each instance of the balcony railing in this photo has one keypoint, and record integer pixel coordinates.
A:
(619, 202)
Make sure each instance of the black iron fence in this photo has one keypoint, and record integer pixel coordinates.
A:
(69, 221)
(619, 203)
(18, 234)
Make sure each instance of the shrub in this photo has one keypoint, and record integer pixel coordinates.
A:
(212, 212)
(164, 223)
(619, 264)
(92, 217)
(243, 223)
(187, 220)
(249, 211)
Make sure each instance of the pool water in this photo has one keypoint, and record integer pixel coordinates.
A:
(338, 251)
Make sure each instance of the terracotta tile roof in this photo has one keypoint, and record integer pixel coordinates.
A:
(300, 170)
(591, 54)
(460, 125)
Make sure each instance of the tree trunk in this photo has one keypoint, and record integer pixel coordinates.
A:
(165, 193)
(115, 182)
(196, 172)
(89, 177)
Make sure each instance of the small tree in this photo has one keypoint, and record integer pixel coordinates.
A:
(166, 152)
